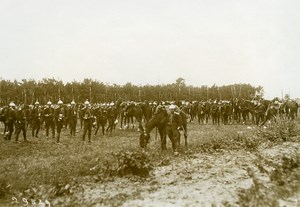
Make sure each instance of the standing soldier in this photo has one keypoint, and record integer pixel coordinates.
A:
(49, 119)
(10, 119)
(36, 119)
(21, 123)
(59, 119)
(87, 120)
(111, 117)
(174, 125)
(72, 116)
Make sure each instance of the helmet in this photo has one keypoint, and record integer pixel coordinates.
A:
(73, 102)
(36, 103)
(112, 104)
(59, 102)
(86, 102)
(49, 103)
(12, 104)
(172, 107)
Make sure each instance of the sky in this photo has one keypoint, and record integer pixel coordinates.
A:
(154, 42)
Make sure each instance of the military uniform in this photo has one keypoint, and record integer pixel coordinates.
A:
(72, 118)
(20, 123)
(49, 120)
(111, 117)
(59, 114)
(87, 121)
(10, 120)
(174, 125)
(36, 120)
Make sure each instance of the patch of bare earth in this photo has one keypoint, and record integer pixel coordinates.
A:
(199, 179)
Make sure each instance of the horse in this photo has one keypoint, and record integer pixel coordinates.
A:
(134, 111)
(246, 107)
(160, 120)
(147, 111)
(291, 109)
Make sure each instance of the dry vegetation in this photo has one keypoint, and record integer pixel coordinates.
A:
(44, 170)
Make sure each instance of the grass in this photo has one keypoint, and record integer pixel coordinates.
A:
(44, 168)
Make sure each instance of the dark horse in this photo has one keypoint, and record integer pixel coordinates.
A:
(134, 111)
(161, 121)
(291, 109)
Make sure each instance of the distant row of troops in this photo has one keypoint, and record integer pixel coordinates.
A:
(54, 117)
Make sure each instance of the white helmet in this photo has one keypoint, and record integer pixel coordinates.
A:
(73, 102)
(86, 102)
(36, 103)
(49, 103)
(60, 102)
(12, 104)
(112, 104)
(172, 106)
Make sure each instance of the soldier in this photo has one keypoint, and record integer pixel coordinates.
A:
(111, 117)
(36, 119)
(49, 119)
(21, 123)
(59, 115)
(175, 123)
(87, 120)
(10, 119)
(72, 117)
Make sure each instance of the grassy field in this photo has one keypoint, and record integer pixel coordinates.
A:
(43, 169)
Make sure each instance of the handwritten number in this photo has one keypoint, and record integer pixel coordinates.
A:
(15, 200)
(25, 201)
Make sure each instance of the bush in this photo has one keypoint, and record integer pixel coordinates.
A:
(282, 130)
(135, 163)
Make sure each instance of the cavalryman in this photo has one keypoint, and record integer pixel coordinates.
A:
(111, 117)
(36, 119)
(21, 123)
(11, 117)
(72, 118)
(174, 125)
(87, 120)
(59, 115)
(49, 119)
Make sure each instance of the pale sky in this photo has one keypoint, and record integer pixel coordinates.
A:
(205, 42)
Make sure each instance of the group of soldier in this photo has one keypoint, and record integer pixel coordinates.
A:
(51, 117)
(55, 117)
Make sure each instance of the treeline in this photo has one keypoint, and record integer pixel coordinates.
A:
(29, 91)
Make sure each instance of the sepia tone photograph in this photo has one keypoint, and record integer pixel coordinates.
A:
(135, 103)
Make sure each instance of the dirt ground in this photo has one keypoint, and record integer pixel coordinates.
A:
(204, 179)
